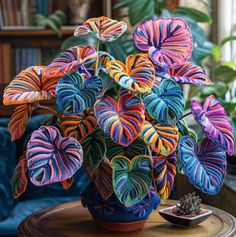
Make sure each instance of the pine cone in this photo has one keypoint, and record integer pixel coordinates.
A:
(189, 204)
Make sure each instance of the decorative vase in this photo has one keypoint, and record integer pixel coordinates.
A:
(111, 215)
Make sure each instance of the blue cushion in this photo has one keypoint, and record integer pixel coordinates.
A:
(25, 208)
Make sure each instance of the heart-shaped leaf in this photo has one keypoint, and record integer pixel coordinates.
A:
(189, 74)
(164, 171)
(165, 102)
(131, 179)
(214, 122)
(71, 60)
(103, 28)
(162, 138)
(137, 147)
(94, 148)
(138, 75)
(78, 126)
(19, 119)
(29, 86)
(74, 94)
(167, 40)
(19, 180)
(52, 158)
(102, 178)
(122, 121)
(205, 165)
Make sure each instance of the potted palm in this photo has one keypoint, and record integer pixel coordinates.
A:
(122, 121)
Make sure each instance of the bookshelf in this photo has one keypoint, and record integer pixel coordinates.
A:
(23, 45)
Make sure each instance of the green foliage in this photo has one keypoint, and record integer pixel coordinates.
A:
(225, 73)
(139, 10)
(53, 21)
(195, 14)
(131, 179)
(227, 39)
(94, 148)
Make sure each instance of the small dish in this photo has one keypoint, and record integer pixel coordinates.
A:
(186, 220)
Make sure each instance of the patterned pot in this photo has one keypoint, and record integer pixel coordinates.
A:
(111, 215)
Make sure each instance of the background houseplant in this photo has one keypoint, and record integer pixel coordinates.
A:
(123, 122)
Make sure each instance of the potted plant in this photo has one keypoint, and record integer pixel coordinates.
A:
(124, 122)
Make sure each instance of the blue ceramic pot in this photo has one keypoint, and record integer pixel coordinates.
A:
(113, 211)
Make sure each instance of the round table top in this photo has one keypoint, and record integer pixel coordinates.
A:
(73, 220)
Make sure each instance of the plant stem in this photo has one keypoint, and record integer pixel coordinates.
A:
(149, 151)
(96, 65)
(47, 108)
(185, 115)
(105, 89)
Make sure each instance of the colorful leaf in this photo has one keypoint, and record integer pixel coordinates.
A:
(138, 75)
(164, 171)
(161, 138)
(103, 28)
(189, 74)
(74, 94)
(66, 184)
(78, 126)
(72, 60)
(131, 179)
(165, 102)
(167, 40)
(137, 147)
(29, 86)
(94, 148)
(19, 180)
(102, 178)
(214, 122)
(121, 121)
(51, 157)
(19, 119)
(205, 165)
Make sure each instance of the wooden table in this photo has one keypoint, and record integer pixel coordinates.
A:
(73, 220)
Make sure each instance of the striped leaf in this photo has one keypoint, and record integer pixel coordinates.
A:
(205, 165)
(102, 178)
(167, 40)
(161, 138)
(74, 94)
(103, 28)
(94, 148)
(19, 180)
(189, 74)
(122, 120)
(19, 119)
(165, 102)
(137, 75)
(214, 122)
(131, 179)
(164, 171)
(137, 147)
(78, 126)
(51, 157)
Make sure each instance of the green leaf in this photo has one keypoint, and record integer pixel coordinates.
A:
(227, 39)
(52, 25)
(102, 178)
(218, 89)
(215, 52)
(140, 10)
(75, 41)
(137, 147)
(225, 73)
(131, 179)
(195, 14)
(122, 4)
(94, 148)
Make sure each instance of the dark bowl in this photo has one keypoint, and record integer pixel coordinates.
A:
(186, 220)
